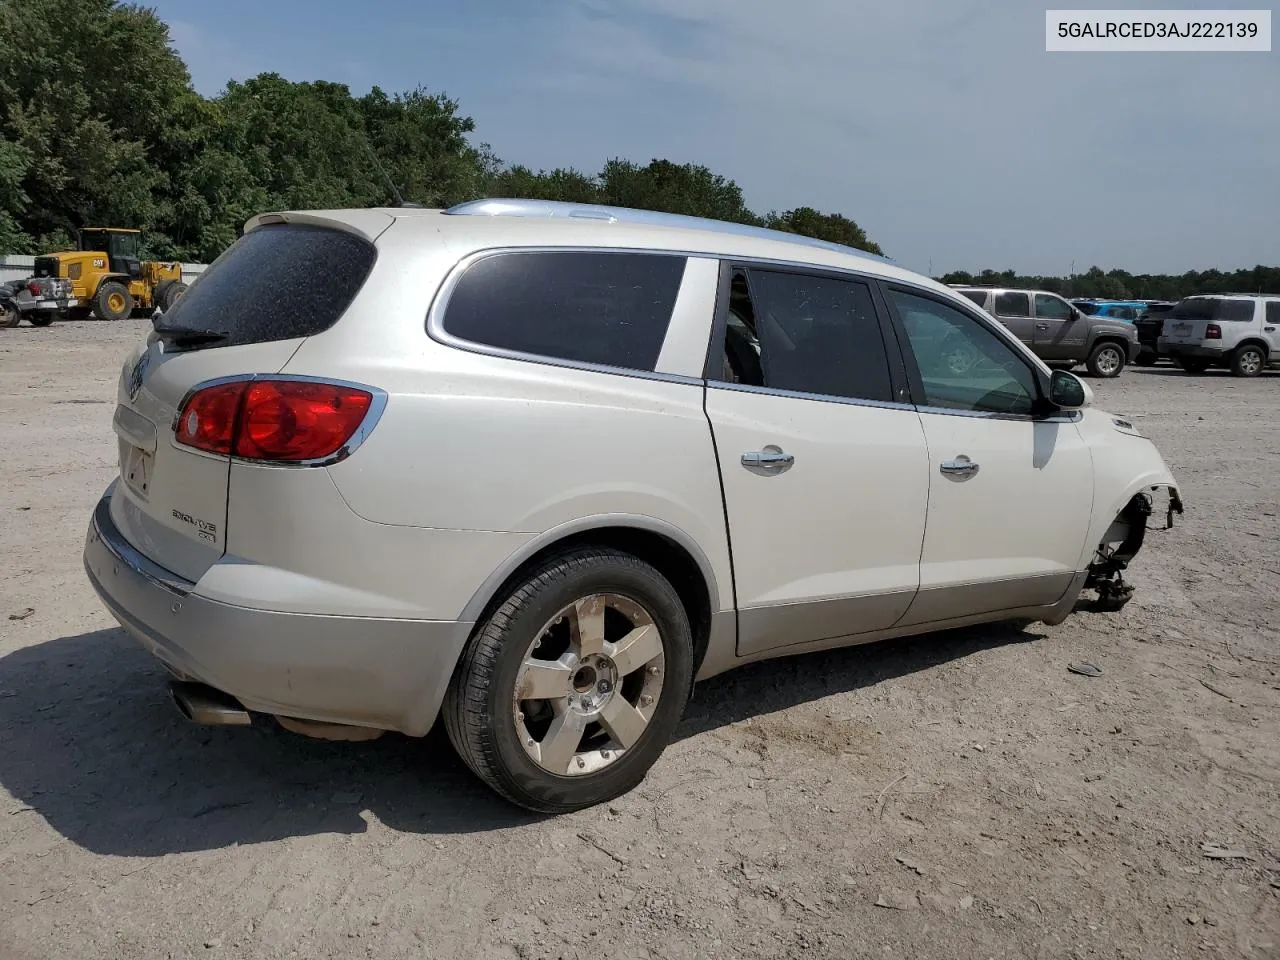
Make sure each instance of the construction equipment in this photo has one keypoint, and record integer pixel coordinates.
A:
(109, 279)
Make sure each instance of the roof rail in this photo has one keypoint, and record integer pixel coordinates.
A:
(498, 207)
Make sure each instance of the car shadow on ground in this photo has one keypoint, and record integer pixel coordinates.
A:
(90, 741)
(1211, 372)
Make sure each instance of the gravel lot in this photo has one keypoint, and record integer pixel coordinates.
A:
(955, 795)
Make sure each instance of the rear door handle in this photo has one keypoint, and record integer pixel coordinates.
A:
(768, 459)
(961, 466)
(1042, 326)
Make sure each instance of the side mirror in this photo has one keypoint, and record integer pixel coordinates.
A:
(1067, 391)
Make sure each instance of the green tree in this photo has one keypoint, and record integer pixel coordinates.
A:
(674, 188)
(87, 90)
(567, 185)
(832, 227)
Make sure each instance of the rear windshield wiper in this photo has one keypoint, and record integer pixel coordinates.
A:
(189, 336)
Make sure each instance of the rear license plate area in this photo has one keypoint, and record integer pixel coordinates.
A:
(136, 470)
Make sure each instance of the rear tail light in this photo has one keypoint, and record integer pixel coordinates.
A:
(276, 420)
(34, 288)
(1213, 332)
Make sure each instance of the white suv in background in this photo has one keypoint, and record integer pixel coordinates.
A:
(1238, 331)
(533, 468)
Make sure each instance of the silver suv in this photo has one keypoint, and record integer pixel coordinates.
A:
(535, 468)
(1058, 332)
(1238, 331)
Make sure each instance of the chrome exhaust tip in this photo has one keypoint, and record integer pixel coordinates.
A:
(202, 704)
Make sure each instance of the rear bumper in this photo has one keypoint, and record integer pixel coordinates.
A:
(386, 673)
(1168, 349)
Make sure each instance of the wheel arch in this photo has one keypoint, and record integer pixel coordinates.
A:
(670, 550)
(123, 278)
(1110, 508)
(1110, 337)
(1253, 341)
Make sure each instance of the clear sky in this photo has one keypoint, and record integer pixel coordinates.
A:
(942, 127)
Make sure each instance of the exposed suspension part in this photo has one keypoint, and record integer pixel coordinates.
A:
(1106, 571)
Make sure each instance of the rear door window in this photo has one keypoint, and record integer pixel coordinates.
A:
(1013, 305)
(595, 307)
(277, 282)
(804, 333)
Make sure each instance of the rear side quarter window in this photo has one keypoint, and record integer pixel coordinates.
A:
(596, 307)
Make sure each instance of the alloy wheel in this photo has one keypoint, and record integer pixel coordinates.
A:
(589, 684)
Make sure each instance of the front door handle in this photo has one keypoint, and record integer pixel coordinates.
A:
(768, 459)
(1042, 326)
(961, 466)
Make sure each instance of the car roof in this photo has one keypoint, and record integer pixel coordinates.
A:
(495, 222)
(978, 286)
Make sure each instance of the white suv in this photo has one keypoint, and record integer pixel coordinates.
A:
(537, 467)
(1237, 331)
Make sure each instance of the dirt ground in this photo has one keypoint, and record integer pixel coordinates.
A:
(953, 796)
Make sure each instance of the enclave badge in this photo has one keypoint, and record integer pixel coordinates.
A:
(136, 375)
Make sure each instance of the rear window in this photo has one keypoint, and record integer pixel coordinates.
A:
(275, 283)
(594, 307)
(1212, 308)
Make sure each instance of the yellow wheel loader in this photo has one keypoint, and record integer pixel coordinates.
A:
(108, 278)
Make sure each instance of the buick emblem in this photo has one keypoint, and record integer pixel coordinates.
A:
(136, 375)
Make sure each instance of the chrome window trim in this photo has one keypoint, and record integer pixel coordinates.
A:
(435, 328)
(371, 418)
(800, 395)
(440, 302)
(1064, 417)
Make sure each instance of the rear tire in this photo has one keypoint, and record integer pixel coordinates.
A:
(544, 751)
(112, 301)
(1193, 364)
(1248, 361)
(41, 319)
(79, 313)
(1145, 359)
(1106, 359)
(168, 292)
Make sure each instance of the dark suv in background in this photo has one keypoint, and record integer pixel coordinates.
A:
(1150, 324)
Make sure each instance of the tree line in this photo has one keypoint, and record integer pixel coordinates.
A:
(1122, 285)
(100, 126)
